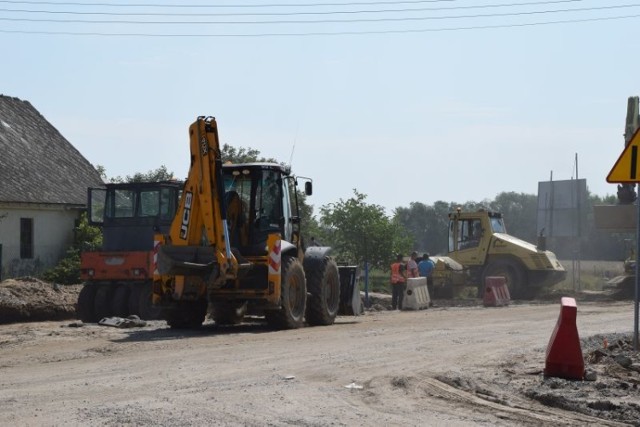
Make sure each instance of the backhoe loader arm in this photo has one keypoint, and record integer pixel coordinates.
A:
(198, 240)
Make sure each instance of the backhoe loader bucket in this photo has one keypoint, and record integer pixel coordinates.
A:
(187, 261)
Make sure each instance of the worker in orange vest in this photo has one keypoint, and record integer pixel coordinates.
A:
(398, 282)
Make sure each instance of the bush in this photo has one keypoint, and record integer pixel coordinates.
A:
(67, 272)
(378, 282)
(86, 238)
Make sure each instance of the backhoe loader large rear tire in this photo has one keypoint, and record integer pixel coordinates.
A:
(85, 307)
(293, 297)
(323, 283)
(514, 275)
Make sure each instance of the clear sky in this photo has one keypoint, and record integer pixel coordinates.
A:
(453, 100)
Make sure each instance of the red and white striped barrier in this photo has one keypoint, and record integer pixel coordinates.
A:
(496, 292)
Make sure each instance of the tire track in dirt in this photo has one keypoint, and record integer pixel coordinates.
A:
(514, 410)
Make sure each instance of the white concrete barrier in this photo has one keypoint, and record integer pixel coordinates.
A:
(416, 296)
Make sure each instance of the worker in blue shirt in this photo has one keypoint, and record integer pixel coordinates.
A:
(425, 268)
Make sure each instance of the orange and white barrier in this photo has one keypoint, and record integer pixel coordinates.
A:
(496, 292)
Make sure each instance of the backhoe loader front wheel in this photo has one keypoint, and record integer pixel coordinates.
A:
(187, 315)
(293, 297)
(229, 312)
(323, 282)
(513, 274)
(147, 310)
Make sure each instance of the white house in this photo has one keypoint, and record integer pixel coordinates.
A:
(43, 190)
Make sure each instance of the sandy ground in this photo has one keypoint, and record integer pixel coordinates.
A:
(465, 365)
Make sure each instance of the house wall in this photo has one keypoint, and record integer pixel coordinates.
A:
(52, 234)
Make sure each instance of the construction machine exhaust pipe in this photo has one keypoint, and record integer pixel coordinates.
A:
(542, 241)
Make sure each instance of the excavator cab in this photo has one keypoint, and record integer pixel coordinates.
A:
(261, 199)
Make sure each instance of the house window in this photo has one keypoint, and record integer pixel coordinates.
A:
(26, 238)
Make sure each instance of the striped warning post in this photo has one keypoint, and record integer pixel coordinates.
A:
(274, 262)
(274, 257)
(416, 295)
(496, 292)
(156, 248)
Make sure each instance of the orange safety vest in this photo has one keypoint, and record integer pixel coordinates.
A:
(396, 276)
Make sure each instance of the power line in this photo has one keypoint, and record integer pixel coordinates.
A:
(307, 34)
(209, 6)
(323, 21)
(333, 12)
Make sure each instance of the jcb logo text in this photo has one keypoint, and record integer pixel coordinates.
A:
(186, 215)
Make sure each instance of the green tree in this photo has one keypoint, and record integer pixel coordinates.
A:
(415, 221)
(361, 232)
(308, 223)
(102, 171)
(427, 225)
(243, 155)
(154, 175)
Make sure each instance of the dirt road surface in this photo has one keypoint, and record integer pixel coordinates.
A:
(441, 366)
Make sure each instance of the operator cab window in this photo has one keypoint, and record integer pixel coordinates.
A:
(159, 203)
(259, 193)
(469, 234)
(239, 182)
(122, 205)
(149, 203)
(497, 225)
(168, 197)
(268, 207)
(97, 197)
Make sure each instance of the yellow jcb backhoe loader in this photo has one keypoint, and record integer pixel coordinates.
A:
(236, 243)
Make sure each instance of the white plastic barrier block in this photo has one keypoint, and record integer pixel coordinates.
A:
(416, 296)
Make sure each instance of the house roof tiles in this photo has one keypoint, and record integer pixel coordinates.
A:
(37, 164)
